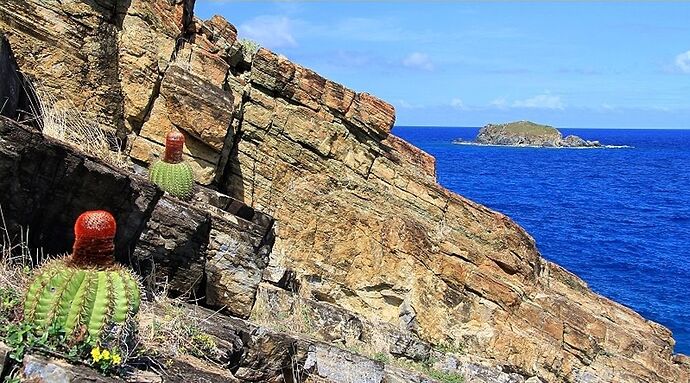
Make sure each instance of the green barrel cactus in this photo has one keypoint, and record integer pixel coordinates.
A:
(85, 293)
(172, 174)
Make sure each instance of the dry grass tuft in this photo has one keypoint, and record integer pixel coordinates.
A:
(294, 318)
(16, 259)
(166, 330)
(62, 120)
(16, 264)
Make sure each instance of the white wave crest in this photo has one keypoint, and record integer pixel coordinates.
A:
(470, 143)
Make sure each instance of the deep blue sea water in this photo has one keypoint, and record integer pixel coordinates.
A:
(618, 218)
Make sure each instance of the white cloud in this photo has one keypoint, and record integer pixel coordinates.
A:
(499, 103)
(418, 60)
(407, 105)
(541, 101)
(269, 31)
(458, 104)
(385, 29)
(349, 59)
(683, 62)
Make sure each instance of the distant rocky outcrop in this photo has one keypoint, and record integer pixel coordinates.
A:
(362, 229)
(527, 133)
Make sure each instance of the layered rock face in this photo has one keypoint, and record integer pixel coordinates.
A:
(365, 225)
(73, 46)
(361, 222)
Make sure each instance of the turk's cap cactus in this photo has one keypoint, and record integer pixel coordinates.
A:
(87, 291)
(174, 144)
(94, 232)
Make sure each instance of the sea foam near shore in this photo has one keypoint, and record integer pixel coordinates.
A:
(470, 143)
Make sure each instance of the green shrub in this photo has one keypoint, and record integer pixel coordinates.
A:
(250, 46)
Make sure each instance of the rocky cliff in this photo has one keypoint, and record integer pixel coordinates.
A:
(527, 133)
(363, 233)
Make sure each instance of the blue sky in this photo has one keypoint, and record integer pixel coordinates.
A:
(571, 65)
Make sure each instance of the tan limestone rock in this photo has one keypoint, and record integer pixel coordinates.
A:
(199, 109)
(72, 58)
(372, 113)
(364, 226)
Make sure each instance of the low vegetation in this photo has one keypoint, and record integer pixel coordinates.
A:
(528, 128)
(299, 319)
(165, 331)
(250, 46)
(62, 120)
(164, 328)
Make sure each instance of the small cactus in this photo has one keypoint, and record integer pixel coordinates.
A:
(172, 174)
(85, 291)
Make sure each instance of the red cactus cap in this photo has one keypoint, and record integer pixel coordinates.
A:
(93, 243)
(174, 143)
(95, 224)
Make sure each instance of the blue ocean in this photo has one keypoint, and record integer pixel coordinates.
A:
(618, 217)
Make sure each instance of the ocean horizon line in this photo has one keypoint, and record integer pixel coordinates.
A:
(559, 127)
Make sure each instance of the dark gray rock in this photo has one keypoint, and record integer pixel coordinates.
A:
(39, 369)
(172, 247)
(410, 347)
(476, 373)
(179, 369)
(188, 369)
(270, 356)
(341, 366)
(16, 95)
(237, 254)
(253, 354)
(577, 142)
(214, 248)
(47, 184)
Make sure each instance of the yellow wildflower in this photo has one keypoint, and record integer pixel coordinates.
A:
(105, 354)
(96, 354)
(117, 359)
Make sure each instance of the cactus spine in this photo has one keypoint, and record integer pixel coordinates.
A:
(85, 291)
(172, 174)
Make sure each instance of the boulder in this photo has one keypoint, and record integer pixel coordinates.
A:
(40, 369)
(171, 249)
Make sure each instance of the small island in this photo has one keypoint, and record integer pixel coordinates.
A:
(527, 133)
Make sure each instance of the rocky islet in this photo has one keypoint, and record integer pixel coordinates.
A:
(526, 133)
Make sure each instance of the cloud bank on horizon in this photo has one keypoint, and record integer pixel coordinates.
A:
(468, 64)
